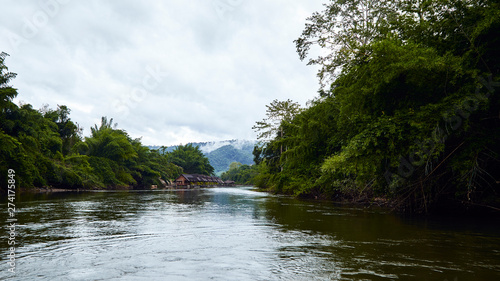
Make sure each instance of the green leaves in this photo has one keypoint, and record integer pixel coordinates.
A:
(276, 113)
(110, 143)
(343, 30)
(406, 115)
(7, 93)
(240, 174)
(45, 149)
(191, 159)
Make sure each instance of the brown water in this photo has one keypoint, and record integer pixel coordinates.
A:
(238, 234)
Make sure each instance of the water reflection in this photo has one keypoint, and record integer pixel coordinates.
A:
(239, 234)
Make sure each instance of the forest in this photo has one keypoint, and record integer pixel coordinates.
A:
(46, 149)
(407, 114)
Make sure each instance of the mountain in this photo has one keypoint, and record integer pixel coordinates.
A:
(222, 153)
(225, 155)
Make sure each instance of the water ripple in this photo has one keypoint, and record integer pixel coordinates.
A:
(236, 234)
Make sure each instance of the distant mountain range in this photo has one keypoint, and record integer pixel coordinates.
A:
(222, 153)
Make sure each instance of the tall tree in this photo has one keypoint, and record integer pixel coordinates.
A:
(8, 144)
(69, 131)
(191, 159)
(7, 92)
(276, 112)
(109, 150)
(344, 29)
(409, 108)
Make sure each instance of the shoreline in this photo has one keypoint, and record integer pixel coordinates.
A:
(47, 190)
(365, 202)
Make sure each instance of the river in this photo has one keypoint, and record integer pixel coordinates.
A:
(238, 234)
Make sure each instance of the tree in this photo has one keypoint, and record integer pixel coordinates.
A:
(7, 92)
(276, 112)
(69, 132)
(110, 143)
(344, 29)
(191, 159)
(279, 113)
(8, 144)
(161, 163)
(109, 151)
(234, 165)
(408, 113)
(45, 149)
(240, 174)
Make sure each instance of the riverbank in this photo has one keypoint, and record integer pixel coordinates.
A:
(443, 207)
(48, 190)
(446, 208)
(51, 189)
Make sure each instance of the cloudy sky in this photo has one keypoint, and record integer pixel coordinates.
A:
(171, 72)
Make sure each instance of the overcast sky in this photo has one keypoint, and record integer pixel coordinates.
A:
(171, 72)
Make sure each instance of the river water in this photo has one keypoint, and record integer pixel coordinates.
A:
(238, 234)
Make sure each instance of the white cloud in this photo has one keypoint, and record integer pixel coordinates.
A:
(218, 65)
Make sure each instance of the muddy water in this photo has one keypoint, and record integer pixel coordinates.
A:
(238, 234)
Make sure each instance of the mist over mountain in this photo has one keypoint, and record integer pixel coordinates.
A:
(222, 153)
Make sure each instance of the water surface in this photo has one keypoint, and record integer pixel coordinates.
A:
(238, 234)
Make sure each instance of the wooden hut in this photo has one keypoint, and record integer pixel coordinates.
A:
(229, 183)
(192, 180)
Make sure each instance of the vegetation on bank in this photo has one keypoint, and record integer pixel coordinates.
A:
(241, 173)
(47, 149)
(408, 108)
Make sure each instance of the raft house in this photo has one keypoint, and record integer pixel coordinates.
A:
(195, 180)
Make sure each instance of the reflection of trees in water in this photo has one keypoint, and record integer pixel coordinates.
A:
(189, 196)
(50, 217)
(342, 222)
(292, 236)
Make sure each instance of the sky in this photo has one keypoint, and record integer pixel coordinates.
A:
(170, 72)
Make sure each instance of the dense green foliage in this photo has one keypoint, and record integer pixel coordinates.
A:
(276, 112)
(240, 173)
(191, 159)
(408, 108)
(45, 148)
